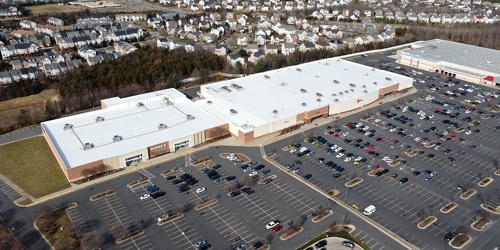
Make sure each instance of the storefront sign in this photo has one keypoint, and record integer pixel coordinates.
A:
(158, 147)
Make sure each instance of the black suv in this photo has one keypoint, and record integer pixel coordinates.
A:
(321, 243)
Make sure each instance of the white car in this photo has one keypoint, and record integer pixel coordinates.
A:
(358, 158)
(359, 125)
(377, 120)
(272, 224)
(231, 157)
(345, 134)
(366, 128)
(200, 190)
(338, 149)
(417, 139)
(254, 173)
(368, 133)
(340, 155)
(392, 130)
(334, 146)
(348, 159)
(145, 196)
(297, 170)
(293, 150)
(468, 132)
(467, 111)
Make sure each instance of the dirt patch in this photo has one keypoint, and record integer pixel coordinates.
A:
(201, 161)
(354, 182)
(460, 241)
(289, 235)
(101, 195)
(206, 204)
(169, 172)
(448, 208)
(469, 193)
(320, 218)
(132, 235)
(138, 182)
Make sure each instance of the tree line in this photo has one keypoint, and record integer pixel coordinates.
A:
(150, 68)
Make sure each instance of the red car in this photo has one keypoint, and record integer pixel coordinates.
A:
(277, 228)
(394, 176)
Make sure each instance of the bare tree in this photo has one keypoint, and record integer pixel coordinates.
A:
(297, 223)
(485, 199)
(332, 226)
(269, 239)
(431, 209)
(118, 232)
(92, 240)
(246, 180)
(421, 213)
(463, 230)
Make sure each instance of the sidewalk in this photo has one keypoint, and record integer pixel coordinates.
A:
(265, 140)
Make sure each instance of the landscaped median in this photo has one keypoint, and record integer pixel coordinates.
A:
(57, 229)
(412, 153)
(138, 182)
(206, 204)
(467, 194)
(374, 171)
(485, 182)
(480, 224)
(99, 196)
(448, 207)
(427, 222)
(170, 219)
(460, 241)
(430, 144)
(354, 182)
(395, 162)
(169, 172)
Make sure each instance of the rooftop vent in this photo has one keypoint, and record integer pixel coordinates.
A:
(346, 91)
(363, 86)
(275, 112)
(209, 102)
(140, 104)
(341, 93)
(162, 126)
(352, 85)
(169, 103)
(366, 74)
(374, 83)
(304, 104)
(68, 126)
(373, 69)
(88, 146)
(237, 87)
(352, 90)
(334, 94)
(346, 69)
(233, 112)
(117, 138)
(365, 91)
(283, 84)
(190, 117)
(303, 91)
(226, 88)
(319, 95)
(267, 77)
(298, 69)
(99, 119)
(388, 78)
(166, 98)
(318, 100)
(336, 81)
(336, 100)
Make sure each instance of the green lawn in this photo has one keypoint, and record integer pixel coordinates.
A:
(46, 9)
(32, 166)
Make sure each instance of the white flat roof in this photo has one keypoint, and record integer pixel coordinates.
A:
(137, 125)
(317, 84)
(474, 57)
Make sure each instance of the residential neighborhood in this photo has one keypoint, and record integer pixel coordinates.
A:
(225, 28)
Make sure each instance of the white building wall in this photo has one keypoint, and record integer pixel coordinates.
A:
(119, 162)
(405, 85)
(337, 108)
(283, 123)
(262, 130)
(233, 129)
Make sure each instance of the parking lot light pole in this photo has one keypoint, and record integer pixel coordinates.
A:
(185, 231)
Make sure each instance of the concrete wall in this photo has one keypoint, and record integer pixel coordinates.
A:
(233, 129)
(262, 130)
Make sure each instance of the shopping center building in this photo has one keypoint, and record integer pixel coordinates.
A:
(461, 61)
(138, 128)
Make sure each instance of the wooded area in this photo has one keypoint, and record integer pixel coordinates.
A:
(151, 68)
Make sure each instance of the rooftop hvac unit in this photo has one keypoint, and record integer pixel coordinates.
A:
(303, 91)
(334, 94)
(365, 91)
(388, 78)
(298, 69)
(352, 85)
(336, 81)
(140, 104)
(373, 69)
(88, 146)
(363, 86)
(117, 138)
(318, 100)
(283, 84)
(304, 104)
(374, 83)
(190, 117)
(209, 102)
(341, 93)
(68, 126)
(162, 126)
(352, 90)
(169, 103)
(319, 94)
(233, 112)
(275, 112)
(336, 100)
(166, 98)
(99, 119)
(267, 77)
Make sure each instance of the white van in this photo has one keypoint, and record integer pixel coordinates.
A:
(369, 210)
